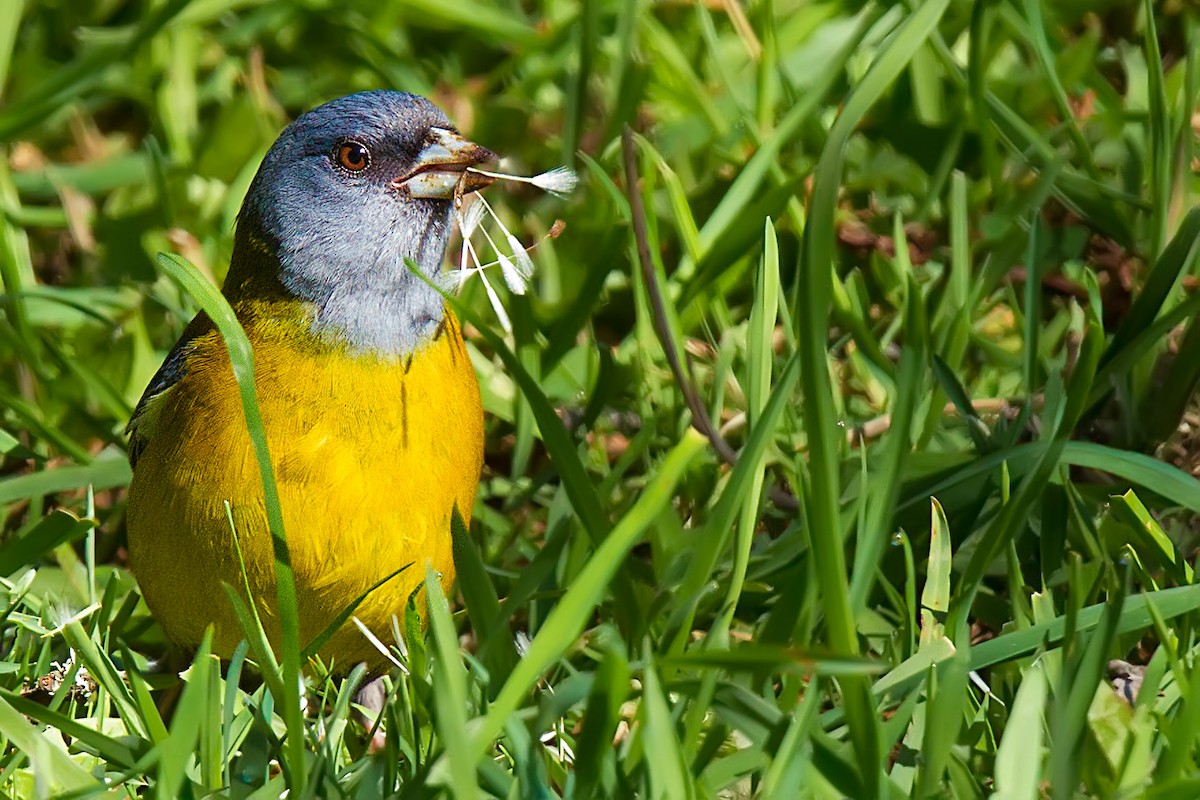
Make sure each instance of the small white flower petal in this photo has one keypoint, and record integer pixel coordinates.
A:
(503, 229)
(451, 280)
(512, 276)
(469, 250)
(374, 640)
(497, 306)
(399, 637)
(469, 220)
(560, 181)
(521, 256)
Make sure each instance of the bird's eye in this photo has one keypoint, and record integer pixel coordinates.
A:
(352, 156)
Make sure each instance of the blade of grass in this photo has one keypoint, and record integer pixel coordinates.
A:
(1140, 348)
(946, 706)
(1135, 616)
(10, 23)
(1010, 522)
(1182, 730)
(669, 776)
(450, 691)
(1019, 756)
(57, 528)
(575, 607)
(256, 638)
(785, 775)
(1148, 537)
(228, 707)
(1158, 133)
(55, 772)
(486, 20)
(713, 539)
(155, 726)
(759, 358)
(1174, 261)
(935, 597)
(241, 358)
(495, 649)
(321, 639)
(593, 746)
(177, 750)
(1032, 323)
(575, 481)
(820, 422)
(124, 751)
(578, 94)
(1161, 410)
(1077, 688)
(748, 184)
(887, 480)
(106, 675)
(1041, 47)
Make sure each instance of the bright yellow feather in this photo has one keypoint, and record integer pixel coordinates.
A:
(370, 456)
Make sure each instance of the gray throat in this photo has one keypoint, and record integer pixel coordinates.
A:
(392, 320)
(375, 305)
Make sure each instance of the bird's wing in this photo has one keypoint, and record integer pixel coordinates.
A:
(174, 367)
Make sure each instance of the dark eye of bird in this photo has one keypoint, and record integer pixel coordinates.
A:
(353, 156)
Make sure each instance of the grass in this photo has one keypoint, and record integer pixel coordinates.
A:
(846, 434)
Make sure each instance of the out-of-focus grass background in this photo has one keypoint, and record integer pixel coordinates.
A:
(928, 267)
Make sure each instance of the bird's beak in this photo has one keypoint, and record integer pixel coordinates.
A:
(442, 166)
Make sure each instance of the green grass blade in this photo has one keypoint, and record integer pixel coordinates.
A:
(1161, 411)
(124, 752)
(575, 481)
(946, 707)
(321, 639)
(484, 19)
(55, 772)
(10, 23)
(1045, 57)
(569, 616)
(1135, 616)
(1033, 307)
(664, 759)
(1158, 133)
(1074, 696)
(1181, 734)
(716, 533)
(1020, 754)
(496, 648)
(886, 482)
(241, 357)
(820, 421)
(1139, 469)
(58, 528)
(1174, 261)
(593, 746)
(935, 597)
(760, 356)
(178, 750)
(256, 638)
(450, 689)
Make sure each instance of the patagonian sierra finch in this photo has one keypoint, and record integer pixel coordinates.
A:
(369, 401)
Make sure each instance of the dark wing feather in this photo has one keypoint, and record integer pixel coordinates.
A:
(173, 368)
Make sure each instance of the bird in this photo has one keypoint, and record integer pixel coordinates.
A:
(368, 398)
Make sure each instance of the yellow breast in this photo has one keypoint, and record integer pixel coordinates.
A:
(370, 454)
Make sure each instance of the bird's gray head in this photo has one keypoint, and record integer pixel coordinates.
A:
(347, 193)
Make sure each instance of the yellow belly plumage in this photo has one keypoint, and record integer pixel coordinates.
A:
(370, 457)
